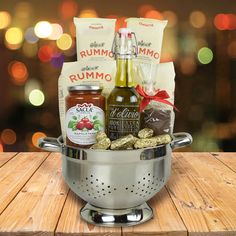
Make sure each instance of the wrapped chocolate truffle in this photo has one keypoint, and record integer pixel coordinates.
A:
(145, 133)
(144, 143)
(153, 141)
(102, 144)
(162, 139)
(100, 136)
(123, 143)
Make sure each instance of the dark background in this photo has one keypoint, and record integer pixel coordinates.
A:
(205, 88)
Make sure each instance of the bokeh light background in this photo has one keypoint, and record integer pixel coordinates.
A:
(36, 37)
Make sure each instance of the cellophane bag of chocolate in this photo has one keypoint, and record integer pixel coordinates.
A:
(94, 38)
(149, 35)
(153, 77)
(84, 72)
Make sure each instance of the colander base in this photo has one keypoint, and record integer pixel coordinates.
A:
(116, 218)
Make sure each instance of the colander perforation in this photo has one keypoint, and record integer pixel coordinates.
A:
(99, 185)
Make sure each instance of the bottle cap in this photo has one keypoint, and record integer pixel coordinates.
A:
(125, 32)
(125, 43)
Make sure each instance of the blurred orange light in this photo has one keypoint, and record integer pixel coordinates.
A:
(143, 9)
(120, 23)
(154, 14)
(232, 21)
(88, 13)
(171, 17)
(197, 19)
(8, 136)
(45, 53)
(222, 21)
(5, 19)
(36, 136)
(18, 72)
(68, 9)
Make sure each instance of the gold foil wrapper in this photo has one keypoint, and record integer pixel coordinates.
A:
(100, 136)
(152, 142)
(102, 144)
(126, 142)
(162, 139)
(145, 142)
(145, 133)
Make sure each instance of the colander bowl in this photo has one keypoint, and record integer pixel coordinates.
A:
(116, 184)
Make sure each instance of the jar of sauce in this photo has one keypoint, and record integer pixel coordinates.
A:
(85, 115)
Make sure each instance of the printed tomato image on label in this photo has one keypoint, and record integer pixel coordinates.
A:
(83, 121)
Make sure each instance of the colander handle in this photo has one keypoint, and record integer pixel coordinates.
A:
(49, 144)
(181, 140)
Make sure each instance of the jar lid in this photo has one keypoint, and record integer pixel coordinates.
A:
(86, 87)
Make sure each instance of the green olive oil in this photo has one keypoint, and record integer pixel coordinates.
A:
(123, 117)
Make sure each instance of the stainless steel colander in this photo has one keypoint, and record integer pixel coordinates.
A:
(116, 184)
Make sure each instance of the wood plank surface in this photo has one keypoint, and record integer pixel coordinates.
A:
(5, 157)
(70, 222)
(166, 221)
(15, 173)
(228, 158)
(204, 192)
(37, 207)
(199, 199)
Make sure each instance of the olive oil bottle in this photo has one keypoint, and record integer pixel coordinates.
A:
(123, 117)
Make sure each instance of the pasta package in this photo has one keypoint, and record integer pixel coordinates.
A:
(94, 38)
(149, 35)
(84, 72)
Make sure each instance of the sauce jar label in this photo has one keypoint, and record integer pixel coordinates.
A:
(83, 121)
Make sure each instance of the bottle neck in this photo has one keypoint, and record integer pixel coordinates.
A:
(124, 74)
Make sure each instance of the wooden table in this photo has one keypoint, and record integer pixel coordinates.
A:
(199, 199)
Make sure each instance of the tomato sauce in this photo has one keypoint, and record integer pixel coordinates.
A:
(85, 115)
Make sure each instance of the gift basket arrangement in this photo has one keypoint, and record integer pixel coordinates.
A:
(116, 105)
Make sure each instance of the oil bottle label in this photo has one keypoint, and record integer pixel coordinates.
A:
(123, 120)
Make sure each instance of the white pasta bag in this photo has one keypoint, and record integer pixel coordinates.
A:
(94, 38)
(149, 35)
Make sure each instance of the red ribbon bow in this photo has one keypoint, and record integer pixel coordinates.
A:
(160, 96)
